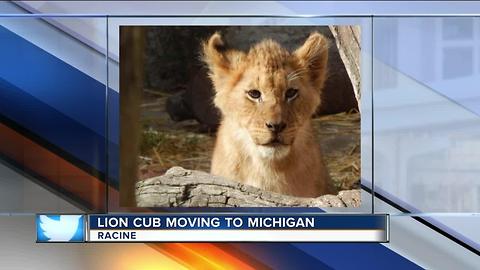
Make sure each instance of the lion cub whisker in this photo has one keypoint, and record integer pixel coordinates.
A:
(296, 74)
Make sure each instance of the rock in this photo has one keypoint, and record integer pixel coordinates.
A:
(178, 171)
(188, 188)
(351, 198)
(195, 102)
(177, 108)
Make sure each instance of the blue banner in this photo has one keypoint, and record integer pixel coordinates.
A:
(238, 221)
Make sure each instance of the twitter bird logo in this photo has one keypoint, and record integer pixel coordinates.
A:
(60, 228)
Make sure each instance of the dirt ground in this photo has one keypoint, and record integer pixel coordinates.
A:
(166, 143)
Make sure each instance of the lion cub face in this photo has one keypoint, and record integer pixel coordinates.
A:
(269, 92)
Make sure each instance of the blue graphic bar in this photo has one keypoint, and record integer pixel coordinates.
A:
(52, 100)
(238, 221)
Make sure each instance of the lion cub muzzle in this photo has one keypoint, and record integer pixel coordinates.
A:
(275, 128)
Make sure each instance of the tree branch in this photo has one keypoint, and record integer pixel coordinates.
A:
(348, 39)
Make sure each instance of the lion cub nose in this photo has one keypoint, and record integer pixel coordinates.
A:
(276, 127)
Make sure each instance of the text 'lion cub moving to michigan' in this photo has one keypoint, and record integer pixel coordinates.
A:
(267, 97)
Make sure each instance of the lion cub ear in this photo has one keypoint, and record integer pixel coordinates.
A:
(313, 56)
(220, 61)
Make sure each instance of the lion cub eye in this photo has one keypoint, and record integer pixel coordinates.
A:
(255, 94)
(291, 93)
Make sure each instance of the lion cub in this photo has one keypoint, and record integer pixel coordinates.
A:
(267, 97)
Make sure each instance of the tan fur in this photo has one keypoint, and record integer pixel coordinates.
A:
(244, 150)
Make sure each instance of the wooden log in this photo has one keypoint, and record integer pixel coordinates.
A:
(348, 41)
(132, 42)
(179, 187)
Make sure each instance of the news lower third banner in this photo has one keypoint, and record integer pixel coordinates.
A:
(214, 228)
